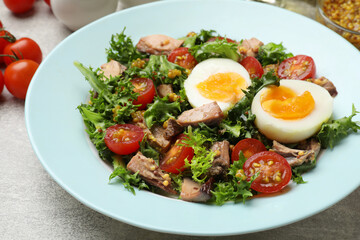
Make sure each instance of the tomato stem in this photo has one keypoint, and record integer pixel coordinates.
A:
(8, 37)
(15, 56)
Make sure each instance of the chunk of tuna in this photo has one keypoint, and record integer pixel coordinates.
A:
(164, 90)
(325, 83)
(194, 192)
(172, 128)
(150, 172)
(158, 139)
(296, 157)
(250, 47)
(221, 161)
(209, 114)
(158, 44)
(112, 68)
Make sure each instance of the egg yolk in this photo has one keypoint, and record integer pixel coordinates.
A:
(282, 102)
(224, 87)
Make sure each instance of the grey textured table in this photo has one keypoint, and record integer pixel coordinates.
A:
(33, 206)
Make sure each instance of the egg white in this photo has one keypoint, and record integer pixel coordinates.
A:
(294, 130)
(203, 71)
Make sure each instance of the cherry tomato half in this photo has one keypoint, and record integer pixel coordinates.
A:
(145, 87)
(299, 67)
(24, 48)
(248, 146)
(229, 40)
(274, 171)
(17, 76)
(123, 139)
(5, 39)
(1, 82)
(19, 6)
(253, 66)
(174, 159)
(182, 57)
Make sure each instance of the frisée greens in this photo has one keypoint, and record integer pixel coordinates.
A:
(111, 103)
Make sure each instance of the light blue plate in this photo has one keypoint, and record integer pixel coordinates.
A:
(57, 133)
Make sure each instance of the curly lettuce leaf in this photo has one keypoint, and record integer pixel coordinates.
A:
(111, 97)
(272, 53)
(333, 131)
(236, 189)
(297, 171)
(128, 179)
(244, 104)
(122, 49)
(216, 49)
(198, 38)
(160, 111)
(203, 158)
(158, 68)
(95, 128)
(240, 119)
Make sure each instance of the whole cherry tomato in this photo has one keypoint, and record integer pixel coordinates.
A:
(17, 76)
(146, 89)
(123, 139)
(300, 67)
(274, 171)
(5, 39)
(1, 82)
(24, 48)
(19, 6)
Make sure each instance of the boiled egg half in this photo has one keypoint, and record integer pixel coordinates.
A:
(217, 79)
(292, 112)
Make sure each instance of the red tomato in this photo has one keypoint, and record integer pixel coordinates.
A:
(17, 77)
(1, 82)
(182, 57)
(274, 171)
(174, 159)
(24, 48)
(5, 39)
(229, 40)
(145, 87)
(248, 146)
(1, 25)
(19, 6)
(123, 139)
(299, 67)
(253, 66)
(48, 2)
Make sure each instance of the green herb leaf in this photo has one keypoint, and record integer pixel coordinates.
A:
(148, 151)
(297, 171)
(197, 39)
(160, 111)
(215, 49)
(272, 53)
(203, 158)
(158, 68)
(333, 131)
(113, 96)
(128, 179)
(122, 49)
